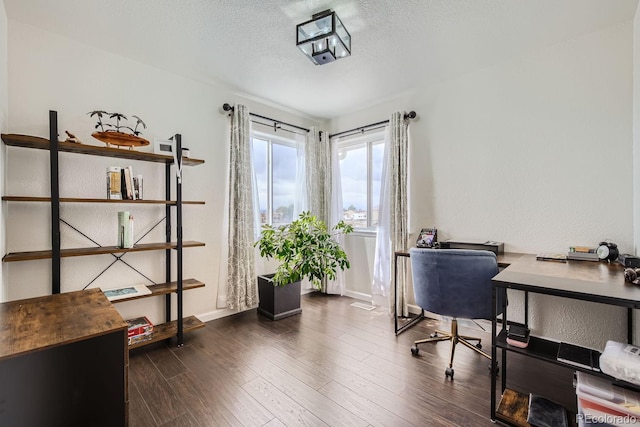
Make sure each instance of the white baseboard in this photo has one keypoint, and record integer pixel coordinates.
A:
(358, 295)
(218, 314)
(414, 309)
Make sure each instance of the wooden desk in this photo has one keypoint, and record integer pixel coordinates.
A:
(504, 260)
(581, 280)
(63, 361)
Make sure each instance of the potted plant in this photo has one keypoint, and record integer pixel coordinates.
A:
(306, 248)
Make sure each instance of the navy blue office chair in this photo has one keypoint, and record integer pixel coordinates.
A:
(454, 283)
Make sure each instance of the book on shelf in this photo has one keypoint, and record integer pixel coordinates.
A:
(140, 338)
(582, 249)
(551, 256)
(122, 184)
(575, 355)
(137, 187)
(128, 184)
(513, 407)
(113, 183)
(140, 329)
(115, 294)
(583, 256)
(546, 413)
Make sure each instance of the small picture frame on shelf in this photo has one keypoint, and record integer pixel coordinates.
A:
(163, 146)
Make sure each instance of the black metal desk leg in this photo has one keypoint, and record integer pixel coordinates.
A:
(494, 322)
(395, 291)
(503, 292)
(629, 325)
(418, 317)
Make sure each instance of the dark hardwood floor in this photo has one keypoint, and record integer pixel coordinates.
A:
(332, 365)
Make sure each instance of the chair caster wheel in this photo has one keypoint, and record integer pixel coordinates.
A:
(479, 346)
(434, 335)
(415, 350)
(449, 372)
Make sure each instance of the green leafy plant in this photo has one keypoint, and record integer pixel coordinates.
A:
(306, 248)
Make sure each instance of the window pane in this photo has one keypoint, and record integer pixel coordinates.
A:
(353, 170)
(377, 155)
(260, 162)
(284, 182)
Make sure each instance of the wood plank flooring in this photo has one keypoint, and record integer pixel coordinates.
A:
(333, 365)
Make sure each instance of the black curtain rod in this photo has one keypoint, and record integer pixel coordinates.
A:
(409, 115)
(227, 107)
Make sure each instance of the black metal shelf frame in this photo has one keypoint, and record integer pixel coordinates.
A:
(539, 348)
(55, 223)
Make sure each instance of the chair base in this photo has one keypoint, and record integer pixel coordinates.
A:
(455, 338)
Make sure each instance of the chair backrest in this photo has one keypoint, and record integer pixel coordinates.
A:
(454, 282)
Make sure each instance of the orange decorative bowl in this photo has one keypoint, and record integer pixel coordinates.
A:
(120, 139)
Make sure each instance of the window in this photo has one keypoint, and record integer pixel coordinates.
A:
(361, 175)
(275, 163)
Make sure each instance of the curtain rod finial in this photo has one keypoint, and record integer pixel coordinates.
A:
(226, 109)
(410, 115)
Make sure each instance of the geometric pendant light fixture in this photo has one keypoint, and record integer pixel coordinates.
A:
(323, 38)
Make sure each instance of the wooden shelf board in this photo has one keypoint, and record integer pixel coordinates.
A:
(39, 143)
(167, 330)
(33, 255)
(91, 200)
(166, 288)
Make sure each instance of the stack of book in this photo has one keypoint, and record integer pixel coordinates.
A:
(546, 413)
(551, 256)
(122, 184)
(518, 336)
(140, 329)
(582, 253)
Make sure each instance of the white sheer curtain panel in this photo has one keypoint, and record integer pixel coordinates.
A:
(317, 155)
(241, 276)
(393, 222)
(319, 184)
(300, 203)
(336, 286)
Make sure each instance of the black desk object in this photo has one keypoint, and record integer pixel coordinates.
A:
(586, 281)
(486, 245)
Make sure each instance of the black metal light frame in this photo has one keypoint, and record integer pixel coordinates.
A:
(325, 55)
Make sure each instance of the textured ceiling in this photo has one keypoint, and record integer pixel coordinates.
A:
(249, 45)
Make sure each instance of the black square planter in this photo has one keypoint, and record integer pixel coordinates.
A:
(278, 302)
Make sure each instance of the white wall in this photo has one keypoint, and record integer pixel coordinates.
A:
(3, 121)
(636, 131)
(47, 71)
(535, 152)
